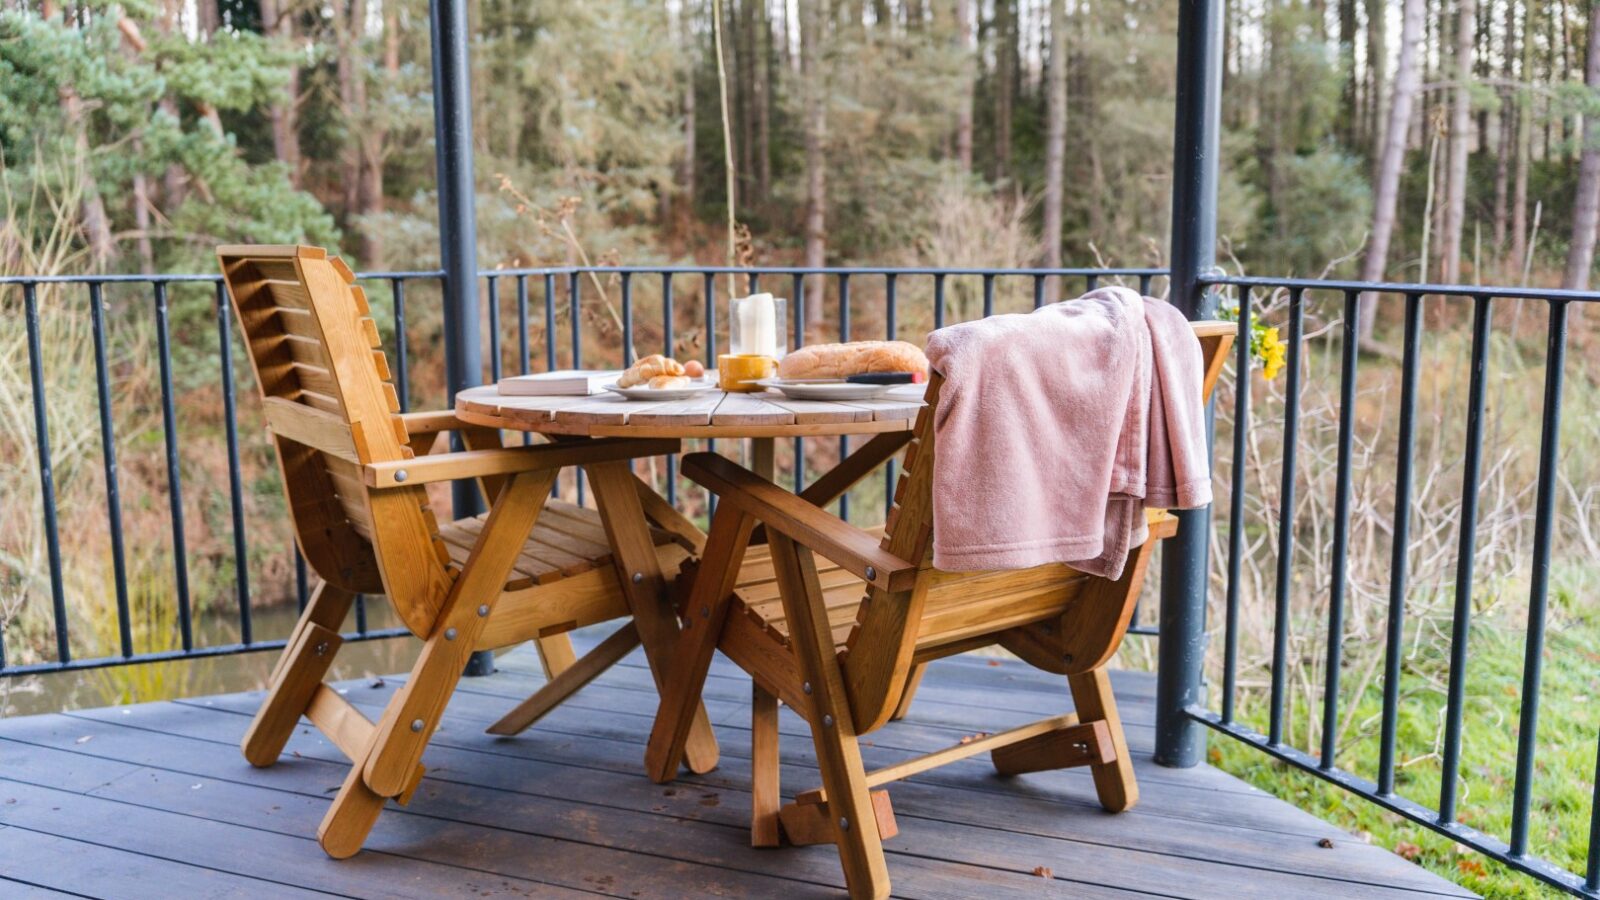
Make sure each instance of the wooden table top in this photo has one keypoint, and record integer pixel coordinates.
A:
(714, 414)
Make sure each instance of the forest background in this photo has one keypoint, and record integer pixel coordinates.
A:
(1407, 140)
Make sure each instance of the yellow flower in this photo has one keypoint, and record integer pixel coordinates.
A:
(1273, 353)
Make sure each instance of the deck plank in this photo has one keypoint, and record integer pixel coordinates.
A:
(564, 807)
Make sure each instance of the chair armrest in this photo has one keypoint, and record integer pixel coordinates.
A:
(510, 460)
(783, 512)
(432, 422)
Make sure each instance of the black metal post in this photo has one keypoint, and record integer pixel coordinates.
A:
(1180, 740)
(458, 230)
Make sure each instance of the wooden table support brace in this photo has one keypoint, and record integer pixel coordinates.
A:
(589, 667)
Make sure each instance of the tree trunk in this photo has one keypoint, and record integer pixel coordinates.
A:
(1055, 144)
(1005, 37)
(745, 78)
(815, 127)
(1519, 189)
(764, 78)
(969, 62)
(285, 114)
(1392, 158)
(1506, 142)
(1348, 124)
(1455, 211)
(1377, 57)
(686, 167)
(1586, 211)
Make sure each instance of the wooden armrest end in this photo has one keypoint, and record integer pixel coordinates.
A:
(783, 512)
(431, 422)
(511, 460)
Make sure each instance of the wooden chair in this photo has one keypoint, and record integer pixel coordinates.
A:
(356, 472)
(847, 663)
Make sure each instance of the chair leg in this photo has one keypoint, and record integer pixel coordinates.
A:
(299, 670)
(764, 796)
(555, 654)
(844, 778)
(1113, 781)
(350, 819)
(690, 659)
(912, 682)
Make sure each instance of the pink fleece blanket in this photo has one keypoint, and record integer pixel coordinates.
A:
(1055, 429)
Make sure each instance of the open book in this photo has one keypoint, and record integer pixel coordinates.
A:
(563, 382)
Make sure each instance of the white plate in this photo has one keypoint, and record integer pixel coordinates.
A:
(644, 392)
(833, 390)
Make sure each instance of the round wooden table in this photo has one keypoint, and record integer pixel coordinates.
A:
(713, 414)
(629, 506)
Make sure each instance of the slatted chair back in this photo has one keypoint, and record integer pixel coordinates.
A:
(331, 409)
(891, 626)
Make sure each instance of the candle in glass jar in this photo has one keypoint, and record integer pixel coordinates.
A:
(757, 320)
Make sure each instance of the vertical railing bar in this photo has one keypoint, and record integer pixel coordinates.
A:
(1341, 529)
(361, 614)
(524, 352)
(1092, 281)
(1038, 291)
(938, 301)
(575, 311)
(494, 328)
(711, 362)
(752, 282)
(1241, 428)
(627, 319)
(1398, 563)
(667, 349)
(302, 588)
(1591, 880)
(1538, 591)
(798, 287)
(844, 338)
(549, 322)
(988, 294)
(889, 300)
(667, 335)
(169, 421)
(230, 414)
(1285, 567)
(47, 477)
(1467, 521)
(108, 452)
(1144, 287)
(402, 346)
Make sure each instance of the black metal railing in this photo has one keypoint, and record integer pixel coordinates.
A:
(522, 303)
(1514, 850)
(523, 293)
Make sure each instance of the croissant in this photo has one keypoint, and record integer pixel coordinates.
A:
(651, 366)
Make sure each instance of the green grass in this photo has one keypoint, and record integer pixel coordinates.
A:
(1565, 762)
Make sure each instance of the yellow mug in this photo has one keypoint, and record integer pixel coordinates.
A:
(736, 372)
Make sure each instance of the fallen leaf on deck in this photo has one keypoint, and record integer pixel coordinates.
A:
(1043, 872)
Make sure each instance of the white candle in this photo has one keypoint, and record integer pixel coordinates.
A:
(758, 326)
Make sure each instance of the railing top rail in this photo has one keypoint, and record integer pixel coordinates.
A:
(1400, 287)
(169, 278)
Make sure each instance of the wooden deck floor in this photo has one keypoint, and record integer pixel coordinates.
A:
(155, 801)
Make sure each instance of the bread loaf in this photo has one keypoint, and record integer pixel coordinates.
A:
(664, 382)
(856, 358)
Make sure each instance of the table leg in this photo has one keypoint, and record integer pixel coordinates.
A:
(764, 457)
(639, 574)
